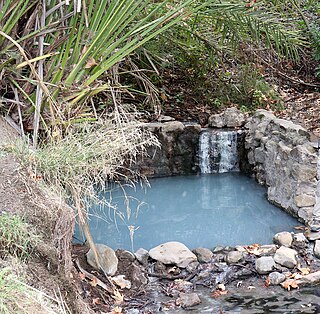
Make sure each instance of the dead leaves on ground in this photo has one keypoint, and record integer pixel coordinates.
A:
(290, 283)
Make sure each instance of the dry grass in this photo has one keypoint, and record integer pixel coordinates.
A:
(18, 297)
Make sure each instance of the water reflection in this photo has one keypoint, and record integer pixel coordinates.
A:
(207, 210)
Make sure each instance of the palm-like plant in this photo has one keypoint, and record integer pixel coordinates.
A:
(70, 50)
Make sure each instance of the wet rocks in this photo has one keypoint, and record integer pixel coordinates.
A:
(204, 255)
(283, 239)
(234, 257)
(275, 278)
(286, 257)
(264, 265)
(299, 241)
(142, 256)
(107, 258)
(173, 253)
(186, 300)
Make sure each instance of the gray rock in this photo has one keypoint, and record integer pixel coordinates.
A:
(142, 256)
(313, 278)
(304, 200)
(268, 249)
(316, 249)
(286, 257)
(218, 249)
(216, 121)
(192, 266)
(173, 253)
(299, 241)
(186, 300)
(312, 236)
(107, 258)
(233, 117)
(283, 238)
(275, 278)
(138, 278)
(204, 255)
(234, 257)
(264, 265)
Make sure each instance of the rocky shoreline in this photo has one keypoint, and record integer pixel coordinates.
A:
(172, 278)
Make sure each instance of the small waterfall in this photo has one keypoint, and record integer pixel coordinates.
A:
(218, 151)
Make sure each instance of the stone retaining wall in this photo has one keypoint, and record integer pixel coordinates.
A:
(178, 152)
(283, 158)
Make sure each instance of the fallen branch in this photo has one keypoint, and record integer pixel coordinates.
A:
(94, 278)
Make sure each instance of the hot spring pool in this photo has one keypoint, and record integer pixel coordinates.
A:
(199, 211)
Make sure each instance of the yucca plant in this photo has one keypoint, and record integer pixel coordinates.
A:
(65, 59)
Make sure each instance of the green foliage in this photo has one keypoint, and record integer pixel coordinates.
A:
(16, 237)
(58, 58)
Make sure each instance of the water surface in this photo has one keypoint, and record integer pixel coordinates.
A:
(205, 210)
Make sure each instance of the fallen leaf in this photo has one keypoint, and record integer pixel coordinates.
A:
(118, 297)
(239, 283)
(116, 310)
(267, 282)
(296, 276)
(82, 276)
(304, 270)
(218, 293)
(289, 283)
(94, 282)
(90, 63)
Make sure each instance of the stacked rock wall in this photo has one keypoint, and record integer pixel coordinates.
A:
(178, 152)
(283, 159)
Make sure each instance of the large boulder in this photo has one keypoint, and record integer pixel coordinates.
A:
(286, 257)
(107, 258)
(173, 253)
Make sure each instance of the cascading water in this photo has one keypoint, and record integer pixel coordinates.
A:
(218, 151)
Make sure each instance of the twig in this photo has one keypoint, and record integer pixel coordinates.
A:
(173, 277)
(93, 277)
(297, 81)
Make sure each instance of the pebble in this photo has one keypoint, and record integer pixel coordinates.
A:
(275, 278)
(188, 299)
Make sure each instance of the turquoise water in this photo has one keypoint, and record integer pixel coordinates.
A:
(205, 210)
